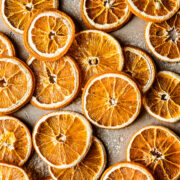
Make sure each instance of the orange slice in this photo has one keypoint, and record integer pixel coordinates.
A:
(140, 66)
(15, 141)
(17, 13)
(96, 52)
(10, 172)
(162, 101)
(62, 139)
(111, 100)
(6, 46)
(91, 167)
(127, 171)
(163, 39)
(16, 84)
(155, 10)
(105, 15)
(158, 149)
(57, 82)
(49, 34)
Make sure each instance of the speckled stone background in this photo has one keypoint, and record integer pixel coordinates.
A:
(115, 141)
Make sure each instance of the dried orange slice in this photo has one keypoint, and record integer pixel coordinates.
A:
(111, 100)
(17, 13)
(57, 82)
(105, 15)
(16, 84)
(62, 139)
(96, 52)
(49, 34)
(162, 101)
(158, 149)
(155, 10)
(163, 39)
(6, 46)
(15, 141)
(91, 167)
(140, 66)
(127, 171)
(11, 172)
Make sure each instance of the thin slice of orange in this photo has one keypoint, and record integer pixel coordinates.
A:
(90, 168)
(15, 141)
(17, 13)
(6, 46)
(127, 171)
(140, 66)
(49, 34)
(162, 101)
(11, 172)
(62, 139)
(105, 15)
(163, 39)
(154, 10)
(111, 100)
(96, 52)
(57, 82)
(158, 149)
(16, 84)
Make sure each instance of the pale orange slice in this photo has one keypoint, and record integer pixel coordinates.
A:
(49, 34)
(62, 139)
(17, 13)
(90, 168)
(155, 10)
(105, 15)
(96, 52)
(158, 149)
(57, 82)
(16, 84)
(127, 171)
(11, 172)
(6, 46)
(111, 100)
(15, 141)
(163, 39)
(162, 101)
(140, 66)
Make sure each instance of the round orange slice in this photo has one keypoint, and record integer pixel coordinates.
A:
(155, 10)
(162, 101)
(17, 13)
(49, 34)
(163, 39)
(140, 66)
(16, 84)
(91, 167)
(62, 139)
(96, 52)
(15, 141)
(57, 82)
(105, 15)
(127, 171)
(111, 100)
(11, 172)
(6, 46)
(158, 149)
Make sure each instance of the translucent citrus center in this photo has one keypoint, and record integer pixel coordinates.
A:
(172, 35)
(156, 155)
(52, 77)
(3, 82)
(61, 138)
(165, 97)
(113, 102)
(52, 34)
(93, 61)
(29, 7)
(108, 3)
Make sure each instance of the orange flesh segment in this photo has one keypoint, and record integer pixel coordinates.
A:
(87, 169)
(159, 151)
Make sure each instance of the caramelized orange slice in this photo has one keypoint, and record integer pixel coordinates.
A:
(62, 139)
(105, 15)
(111, 100)
(127, 171)
(57, 82)
(158, 149)
(162, 101)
